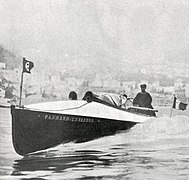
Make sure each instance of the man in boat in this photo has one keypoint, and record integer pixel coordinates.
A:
(143, 98)
(73, 95)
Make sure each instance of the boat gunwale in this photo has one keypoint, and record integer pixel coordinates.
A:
(74, 115)
(103, 103)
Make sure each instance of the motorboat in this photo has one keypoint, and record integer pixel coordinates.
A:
(43, 125)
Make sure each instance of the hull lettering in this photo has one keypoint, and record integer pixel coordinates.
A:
(67, 118)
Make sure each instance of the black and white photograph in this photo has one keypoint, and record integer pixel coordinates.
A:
(94, 89)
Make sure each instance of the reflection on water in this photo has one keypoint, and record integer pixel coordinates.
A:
(51, 161)
(117, 161)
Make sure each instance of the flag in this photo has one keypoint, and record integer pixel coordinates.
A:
(177, 104)
(27, 65)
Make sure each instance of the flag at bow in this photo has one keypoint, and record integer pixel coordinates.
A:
(27, 66)
(177, 104)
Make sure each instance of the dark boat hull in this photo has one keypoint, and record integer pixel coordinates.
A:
(36, 130)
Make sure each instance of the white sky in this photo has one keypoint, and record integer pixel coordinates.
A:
(85, 32)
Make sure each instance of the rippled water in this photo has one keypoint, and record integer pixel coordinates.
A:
(157, 149)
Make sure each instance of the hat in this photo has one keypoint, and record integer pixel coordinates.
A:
(143, 85)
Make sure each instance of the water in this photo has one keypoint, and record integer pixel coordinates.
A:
(157, 149)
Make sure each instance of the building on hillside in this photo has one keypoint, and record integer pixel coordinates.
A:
(11, 75)
(2, 65)
(187, 90)
(168, 90)
(155, 86)
(2, 93)
(111, 83)
(99, 80)
(178, 84)
(71, 81)
(130, 85)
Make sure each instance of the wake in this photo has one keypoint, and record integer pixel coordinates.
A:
(162, 127)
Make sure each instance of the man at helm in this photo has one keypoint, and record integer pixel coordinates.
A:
(143, 98)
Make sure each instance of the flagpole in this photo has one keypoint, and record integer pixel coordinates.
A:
(172, 105)
(21, 89)
(171, 112)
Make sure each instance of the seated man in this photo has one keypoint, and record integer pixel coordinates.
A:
(73, 95)
(143, 98)
(107, 98)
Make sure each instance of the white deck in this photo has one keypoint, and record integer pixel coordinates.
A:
(82, 108)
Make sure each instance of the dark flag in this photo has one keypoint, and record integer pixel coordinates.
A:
(179, 105)
(27, 65)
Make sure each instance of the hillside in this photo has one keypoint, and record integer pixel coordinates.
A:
(8, 57)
